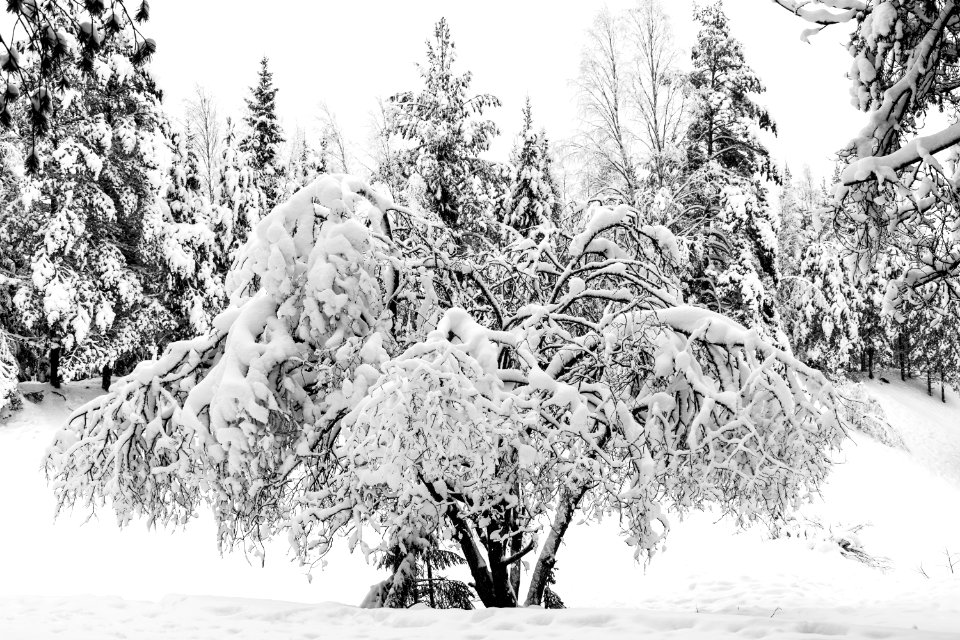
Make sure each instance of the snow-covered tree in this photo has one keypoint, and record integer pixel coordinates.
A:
(191, 285)
(50, 45)
(445, 135)
(724, 203)
(824, 319)
(306, 162)
(894, 194)
(533, 199)
(8, 375)
(263, 138)
(90, 291)
(238, 203)
(341, 394)
(425, 583)
(726, 114)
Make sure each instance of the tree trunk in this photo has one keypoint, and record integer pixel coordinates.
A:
(903, 370)
(929, 386)
(943, 393)
(55, 366)
(906, 345)
(433, 602)
(105, 381)
(548, 556)
(870, 362)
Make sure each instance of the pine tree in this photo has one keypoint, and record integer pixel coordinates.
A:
(789, 237)
(445, 136)
(876, 329)
(305, 163)
(192, 284)
(734, 265)
(237, 201)
(722, 129)
(8, 375)
(825, 321)
(264, 137)
(533, 199)
(425, 583)
(90, 294)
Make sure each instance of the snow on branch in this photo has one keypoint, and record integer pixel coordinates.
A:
(824, 12)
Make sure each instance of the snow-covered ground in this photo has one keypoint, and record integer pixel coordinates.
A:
(76, 580)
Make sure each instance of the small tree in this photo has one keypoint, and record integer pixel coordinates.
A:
(825, 320)
(264, 137)
(238, 203)
(183, 236)
(423, 584)
(444, 136)
(533, 199)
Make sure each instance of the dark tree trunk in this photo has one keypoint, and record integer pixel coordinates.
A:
(906, 345)
(903, 369)
(105, 381)
(55, 367)
(870, 362)
(929, 385)
(433, 602)
(943, 393)
(863, 361)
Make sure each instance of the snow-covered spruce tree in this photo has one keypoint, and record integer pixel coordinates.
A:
(305, 164)
(238, 204)
(894, 195)
(824, 317)
(444, 136)
(930, 332)
(533, 199)
(88, 295)
(338, 395)
(877, 328)
(192, 284)
(426, 584)
(732, 229)
(727, 115)
(62, 40)
(263, 138)
(789, 235)
(9, 397)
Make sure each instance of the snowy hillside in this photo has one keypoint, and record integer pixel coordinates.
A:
(712, 581)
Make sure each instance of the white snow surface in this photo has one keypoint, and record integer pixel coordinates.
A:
(67, 579)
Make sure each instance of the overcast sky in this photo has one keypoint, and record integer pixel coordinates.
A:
(350, 53)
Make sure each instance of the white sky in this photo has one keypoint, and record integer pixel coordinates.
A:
(349, 53)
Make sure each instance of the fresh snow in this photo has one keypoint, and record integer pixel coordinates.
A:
(76, 580)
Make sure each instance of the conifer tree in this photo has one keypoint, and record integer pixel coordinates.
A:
(8, 374)
(825, 323)
(533, 199)
(264, 137)
(445, 135)
(237, 201)
(305, 162)
(735, 248)
(90, 294)
(192, 285)
(722, 129)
